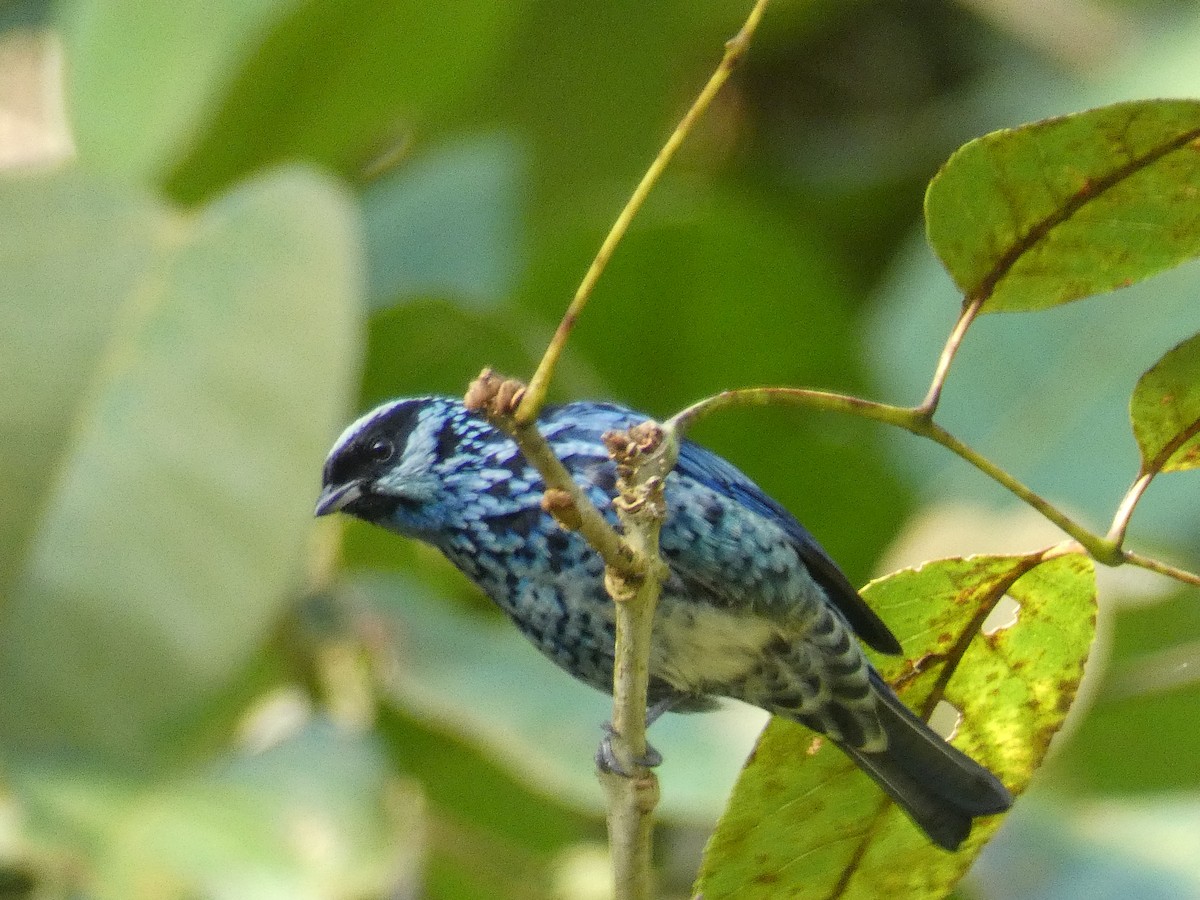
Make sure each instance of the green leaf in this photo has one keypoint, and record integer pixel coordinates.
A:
(1139, 735)
(134, 125)
(447, 225)
(803, 822)
(249, 825)
(1165, 409)
(486, 684)
(428, 347)
(1040, 215)
(338, 80)
(171, 517)
(514, 833)
(1137, 743)
(80, 251)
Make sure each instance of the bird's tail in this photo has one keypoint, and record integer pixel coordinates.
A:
(941, 788)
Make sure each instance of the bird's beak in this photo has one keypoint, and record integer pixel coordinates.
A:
(337, 497)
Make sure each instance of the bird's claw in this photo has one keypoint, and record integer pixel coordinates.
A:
(606, 757)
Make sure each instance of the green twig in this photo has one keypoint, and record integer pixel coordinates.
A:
(915, 420)
(1162, 568)
(1148, 472)
(498, 398)
(735, 49)
(934, 396)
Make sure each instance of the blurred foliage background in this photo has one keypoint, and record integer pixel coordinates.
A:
(226, 227)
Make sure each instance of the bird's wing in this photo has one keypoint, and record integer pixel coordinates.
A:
(707, 468)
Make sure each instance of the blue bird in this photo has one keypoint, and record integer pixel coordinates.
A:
(753, 608)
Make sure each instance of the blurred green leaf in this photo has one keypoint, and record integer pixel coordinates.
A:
(337, 80)
(1050, 212)
(189, 438)
(447, 225)
(143, 79)
(1165, 409)
(803, 822)
(483, 682)
(429, 347)
(489, 835)
(54, 327)
(1092, 851)
(594, 118)
(1139, 735)
(1137, 743)
(256, 825)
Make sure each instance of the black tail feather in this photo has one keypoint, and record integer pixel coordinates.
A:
(941, 788)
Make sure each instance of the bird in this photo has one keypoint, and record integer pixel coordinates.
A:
(753, 609)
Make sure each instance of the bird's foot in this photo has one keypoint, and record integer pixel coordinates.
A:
(606, 758)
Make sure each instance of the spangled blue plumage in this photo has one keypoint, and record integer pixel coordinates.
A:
(753, 608)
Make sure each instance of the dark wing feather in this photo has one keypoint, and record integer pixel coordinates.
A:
(708, 468)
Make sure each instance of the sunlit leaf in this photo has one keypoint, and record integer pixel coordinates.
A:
(804, 823)
(175, 502)
(1051, 212)
(1165, 409)
(249, 825)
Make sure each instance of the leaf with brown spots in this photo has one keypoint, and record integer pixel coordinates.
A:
(803, 822)
(1035, 216)
(1165, 409)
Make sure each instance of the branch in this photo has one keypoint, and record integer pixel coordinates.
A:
(633, 575)
(1149, 470)
(930, 404)
(633, 568)
(645, 455)
(916, 421)
(1162, 568)
(498, 399)
(735, 49)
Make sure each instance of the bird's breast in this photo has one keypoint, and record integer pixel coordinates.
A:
(700, 649)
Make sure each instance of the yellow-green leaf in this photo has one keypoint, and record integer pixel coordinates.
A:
(803, 822)
(1040, 215)
(1165, 409)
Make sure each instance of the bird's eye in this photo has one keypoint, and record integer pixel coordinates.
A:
(381, 450)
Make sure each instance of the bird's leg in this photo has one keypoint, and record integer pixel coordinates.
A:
(606, 759)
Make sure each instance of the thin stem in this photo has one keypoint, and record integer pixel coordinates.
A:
(768, 396)
(1120, 523)
(1154, 565)
(1095, 545)
(930, 404)
(735, 48)
(1150, 470)
(915, 421)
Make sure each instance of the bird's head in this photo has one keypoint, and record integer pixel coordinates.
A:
(383, 469)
